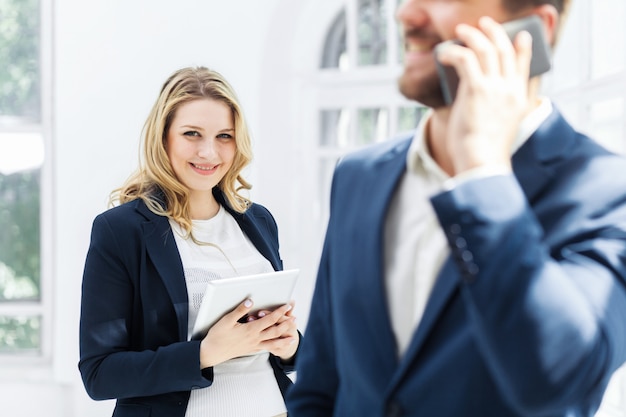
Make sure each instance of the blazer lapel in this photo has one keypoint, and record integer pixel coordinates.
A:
(163, 252)
(248, 222)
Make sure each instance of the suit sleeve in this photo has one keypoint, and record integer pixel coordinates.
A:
(113, 361)
(546, 299)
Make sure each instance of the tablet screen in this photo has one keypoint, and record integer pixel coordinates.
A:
(267, 291)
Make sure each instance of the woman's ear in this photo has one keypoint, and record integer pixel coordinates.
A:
(551, 21)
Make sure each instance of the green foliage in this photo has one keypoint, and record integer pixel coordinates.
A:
(20, 237)
(18, 334)
(19, 59)
(20, 84)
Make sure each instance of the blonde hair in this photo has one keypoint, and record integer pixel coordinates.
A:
(155, 181)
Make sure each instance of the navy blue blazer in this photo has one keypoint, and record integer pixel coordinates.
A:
(134, 311)
(527, 316)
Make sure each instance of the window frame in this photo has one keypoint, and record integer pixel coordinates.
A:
(354, 87)
(11, 361)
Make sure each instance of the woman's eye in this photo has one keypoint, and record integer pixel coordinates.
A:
(225, 136)
(191, 133)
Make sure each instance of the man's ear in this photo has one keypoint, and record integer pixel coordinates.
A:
(551, 21)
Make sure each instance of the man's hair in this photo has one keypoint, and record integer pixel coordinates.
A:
(562, 7)
(517, 5)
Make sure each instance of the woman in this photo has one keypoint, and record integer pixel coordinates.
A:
(180, 223)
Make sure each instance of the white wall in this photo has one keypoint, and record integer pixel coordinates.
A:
(287, 129)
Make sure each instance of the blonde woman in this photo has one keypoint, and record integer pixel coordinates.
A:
(179, 222)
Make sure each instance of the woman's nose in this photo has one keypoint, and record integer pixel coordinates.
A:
(206, 147)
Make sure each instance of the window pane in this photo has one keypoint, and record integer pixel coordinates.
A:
(19, 240)
(20, 334)
(614, 401)
(19, 54)
(409, 117)
(372, 126)
(606, 124)
(372, 32)
(334, 128)
(335, 53)
(608, 37)
(400, 36)
(326, 168)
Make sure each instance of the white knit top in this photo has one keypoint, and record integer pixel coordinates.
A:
(243, 386)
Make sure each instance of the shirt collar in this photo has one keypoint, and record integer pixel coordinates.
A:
(419, 156)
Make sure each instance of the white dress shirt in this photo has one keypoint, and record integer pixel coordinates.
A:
(415, 245)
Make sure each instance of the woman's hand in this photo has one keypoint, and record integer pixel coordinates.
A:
(284, 351)
(274, 331)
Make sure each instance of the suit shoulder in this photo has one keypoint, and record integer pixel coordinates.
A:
(377, 151)
(593, 158)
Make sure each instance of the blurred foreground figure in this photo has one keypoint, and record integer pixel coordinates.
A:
(477, 267)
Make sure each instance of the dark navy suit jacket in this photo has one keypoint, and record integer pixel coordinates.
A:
(527, 316)
(134, 311)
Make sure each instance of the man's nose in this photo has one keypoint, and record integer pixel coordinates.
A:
(410, 13)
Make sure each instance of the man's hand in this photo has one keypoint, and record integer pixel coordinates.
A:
(492, 98)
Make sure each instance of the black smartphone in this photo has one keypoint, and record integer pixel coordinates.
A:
(539, 63)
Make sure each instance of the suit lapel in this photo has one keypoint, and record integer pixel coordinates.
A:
(371, 292)
(533, 163)
(446, 284)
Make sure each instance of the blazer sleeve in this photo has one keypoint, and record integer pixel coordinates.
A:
(546, 297)
(115, 361)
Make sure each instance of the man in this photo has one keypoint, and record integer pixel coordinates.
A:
(476, 268)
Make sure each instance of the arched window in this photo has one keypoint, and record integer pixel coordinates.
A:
(358, 100)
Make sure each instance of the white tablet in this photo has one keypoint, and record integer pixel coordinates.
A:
(267, 291)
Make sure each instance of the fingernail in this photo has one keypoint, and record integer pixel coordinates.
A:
(261, 314)
(248, 303)
(288, 307)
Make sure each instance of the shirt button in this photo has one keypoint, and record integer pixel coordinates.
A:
(393, 410)
(455, 229)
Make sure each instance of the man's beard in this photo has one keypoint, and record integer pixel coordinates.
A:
(426, 91)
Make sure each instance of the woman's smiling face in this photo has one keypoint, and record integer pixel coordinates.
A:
(201, 143)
